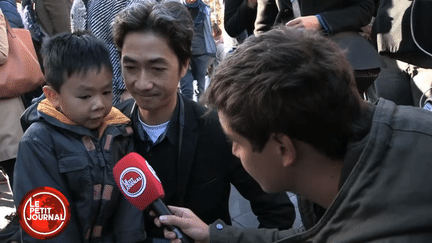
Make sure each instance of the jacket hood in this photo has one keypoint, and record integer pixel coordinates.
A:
(44, 110)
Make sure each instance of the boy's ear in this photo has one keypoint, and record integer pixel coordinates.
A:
(52, 95)
(286, 149)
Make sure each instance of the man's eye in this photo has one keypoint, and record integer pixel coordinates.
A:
(83, 97)
(158, 68)
(107, 92)
(129, 67)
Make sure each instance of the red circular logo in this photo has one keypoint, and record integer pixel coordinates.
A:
(44, 213)
(133, 181)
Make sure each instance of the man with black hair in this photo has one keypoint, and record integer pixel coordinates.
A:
(188, 151)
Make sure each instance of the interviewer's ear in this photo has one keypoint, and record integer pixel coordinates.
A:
(286, 149)
(52, 95)
(184, 68)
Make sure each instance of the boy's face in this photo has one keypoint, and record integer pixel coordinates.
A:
(151, 70)
(266, 167)
(86, 99)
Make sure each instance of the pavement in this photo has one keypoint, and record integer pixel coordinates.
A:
(242, 215)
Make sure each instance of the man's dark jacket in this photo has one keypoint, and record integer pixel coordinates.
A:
(207, 167)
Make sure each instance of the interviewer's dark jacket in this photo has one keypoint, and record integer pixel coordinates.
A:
(386, 196)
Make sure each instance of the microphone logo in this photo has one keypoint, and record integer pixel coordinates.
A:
(133, 181)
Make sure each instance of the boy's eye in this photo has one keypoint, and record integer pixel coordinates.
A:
(83, 97)
(107, 92)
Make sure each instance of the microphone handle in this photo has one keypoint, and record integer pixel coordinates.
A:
(160, 208)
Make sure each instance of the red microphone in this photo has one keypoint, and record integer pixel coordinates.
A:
(140, 185)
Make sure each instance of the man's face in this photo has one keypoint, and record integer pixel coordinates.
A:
(151, 70)
(265, 166)
(86, 100)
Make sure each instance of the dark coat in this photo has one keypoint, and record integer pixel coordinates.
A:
(54, 15)
(340, 15)
(385, 198)
(392, 30)
(239, 17)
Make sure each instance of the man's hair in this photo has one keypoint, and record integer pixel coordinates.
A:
(292, 82)
(170, 19)
(67, 54)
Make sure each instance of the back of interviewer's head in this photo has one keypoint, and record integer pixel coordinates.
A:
(69, 54)
(290, 82)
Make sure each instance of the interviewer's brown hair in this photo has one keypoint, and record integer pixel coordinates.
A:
(291, 82)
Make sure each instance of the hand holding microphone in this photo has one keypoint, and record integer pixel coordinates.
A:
(139, 184)
(191, 224)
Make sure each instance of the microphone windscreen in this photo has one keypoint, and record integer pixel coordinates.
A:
(137, 180)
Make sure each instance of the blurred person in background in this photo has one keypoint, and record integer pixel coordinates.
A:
(220, 50)
(44, 19)
(239, 17)
(203, 48)
(10, 11)
(96, 16)
(402, 33)
(10, 109)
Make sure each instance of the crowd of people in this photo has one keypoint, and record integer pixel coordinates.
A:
(322, 100)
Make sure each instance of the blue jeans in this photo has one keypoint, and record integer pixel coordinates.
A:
(198, 68)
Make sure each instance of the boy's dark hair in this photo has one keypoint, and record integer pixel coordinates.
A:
(67, 54)
(170, 19)
(290, 82)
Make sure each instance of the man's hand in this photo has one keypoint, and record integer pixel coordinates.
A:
(307, 22)
(188, 222)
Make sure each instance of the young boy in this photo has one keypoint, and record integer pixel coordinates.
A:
(74, 139)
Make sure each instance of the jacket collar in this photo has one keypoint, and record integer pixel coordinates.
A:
(115, 117)
(189, 142)
(190, 122)
(187, 139)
